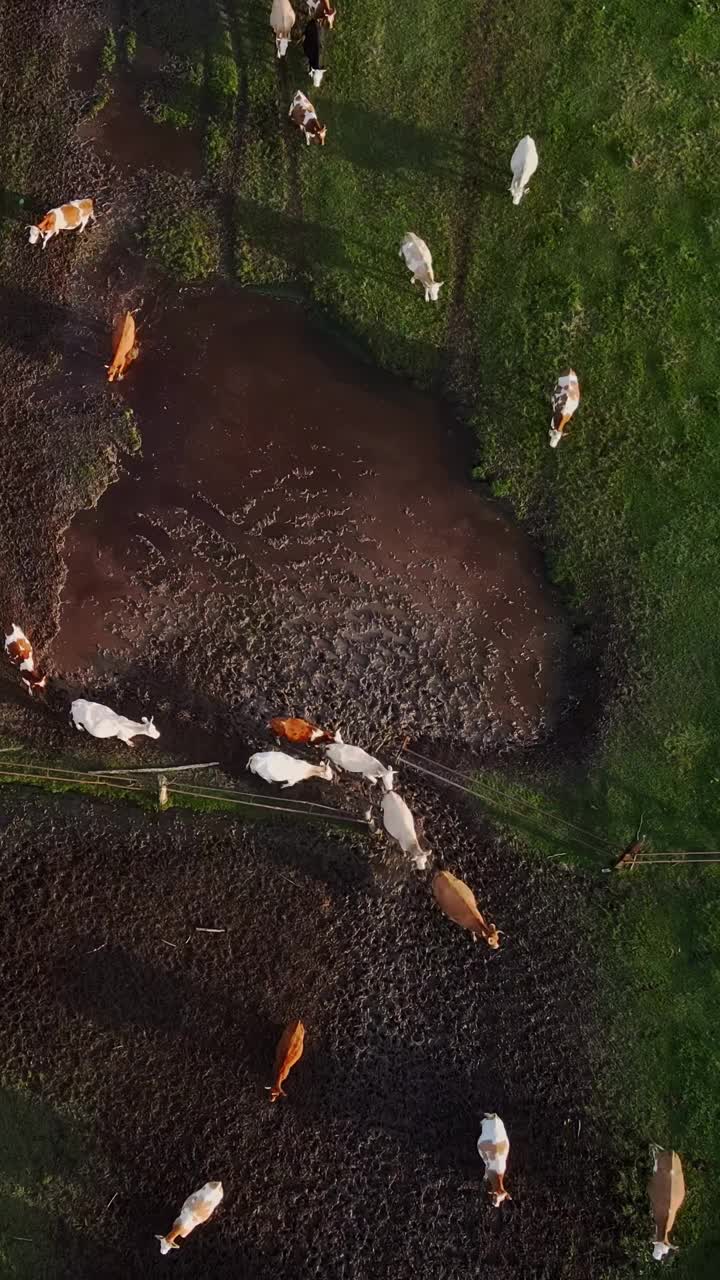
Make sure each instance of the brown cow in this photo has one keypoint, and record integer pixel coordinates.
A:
(295, 729)
(666, 1190)
(125, 349)
(458, 902)
(288, 1052)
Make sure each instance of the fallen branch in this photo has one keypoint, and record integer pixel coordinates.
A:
(199, 929)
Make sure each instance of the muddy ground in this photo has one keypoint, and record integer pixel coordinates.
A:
(299, 535)
(369, 1166)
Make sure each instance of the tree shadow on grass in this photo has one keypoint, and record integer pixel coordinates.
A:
(375, 141)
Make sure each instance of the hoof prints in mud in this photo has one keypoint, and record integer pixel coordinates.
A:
(300, 537)
(369, 1166)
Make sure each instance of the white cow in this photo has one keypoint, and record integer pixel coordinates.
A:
(282, 21)
(494, 1148)
(67, 217)
(418, 259)
(197, 1208)
(277, 766)
(400, 824)
(102, 722)
(355, 760)
(523, 162)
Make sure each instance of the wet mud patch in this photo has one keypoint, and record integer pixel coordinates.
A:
(300, 535)
(369, 1166)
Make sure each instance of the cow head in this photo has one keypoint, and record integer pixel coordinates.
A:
(555, 437)
(150, 729)
(316, 75)
(499, 1194)
(34, 234)
(432, 290)
(493, 937)
(281, 44)
(661, 1250)
(326, 772)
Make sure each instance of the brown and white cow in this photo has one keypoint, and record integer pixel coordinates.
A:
(322, 11)
(565, 400)
(303, 114)
(282, 21)
(125, 348)
(666, 1190)
(67, 217)
(494, 1148)
(19, 652)
(198, 1207)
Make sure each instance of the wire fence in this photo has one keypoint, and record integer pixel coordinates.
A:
(156, 786)
(160, 787)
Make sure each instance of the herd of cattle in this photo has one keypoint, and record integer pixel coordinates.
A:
(666, 1187)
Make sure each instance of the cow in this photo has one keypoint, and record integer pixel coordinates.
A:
(102, 722)
(125, 349)
(523, 162)
(400, 824)
(565, 400)
(282, 21)
(19, 652)
(276, 766)
(418, 259)
(303, 114)
(313, 41)
(666, 1190)
(295, 729)
(494, 1147)
(198, 1207)
(355, 760)
(458, 903)
(289, 1051)
(323, 11)
(67, 217)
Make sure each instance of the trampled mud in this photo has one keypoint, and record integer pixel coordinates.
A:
(162, 1038)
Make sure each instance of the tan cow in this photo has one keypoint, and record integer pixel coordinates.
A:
(282, 21)
(418, 260)
(125, 349)
(458, 902)
(198, 1207)
(67, 217)
(666, 1190)
(565, 400)
(303, 114)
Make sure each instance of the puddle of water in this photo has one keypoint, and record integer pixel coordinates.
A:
(277, 468)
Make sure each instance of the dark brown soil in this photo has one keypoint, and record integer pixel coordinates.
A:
(369, 1166)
